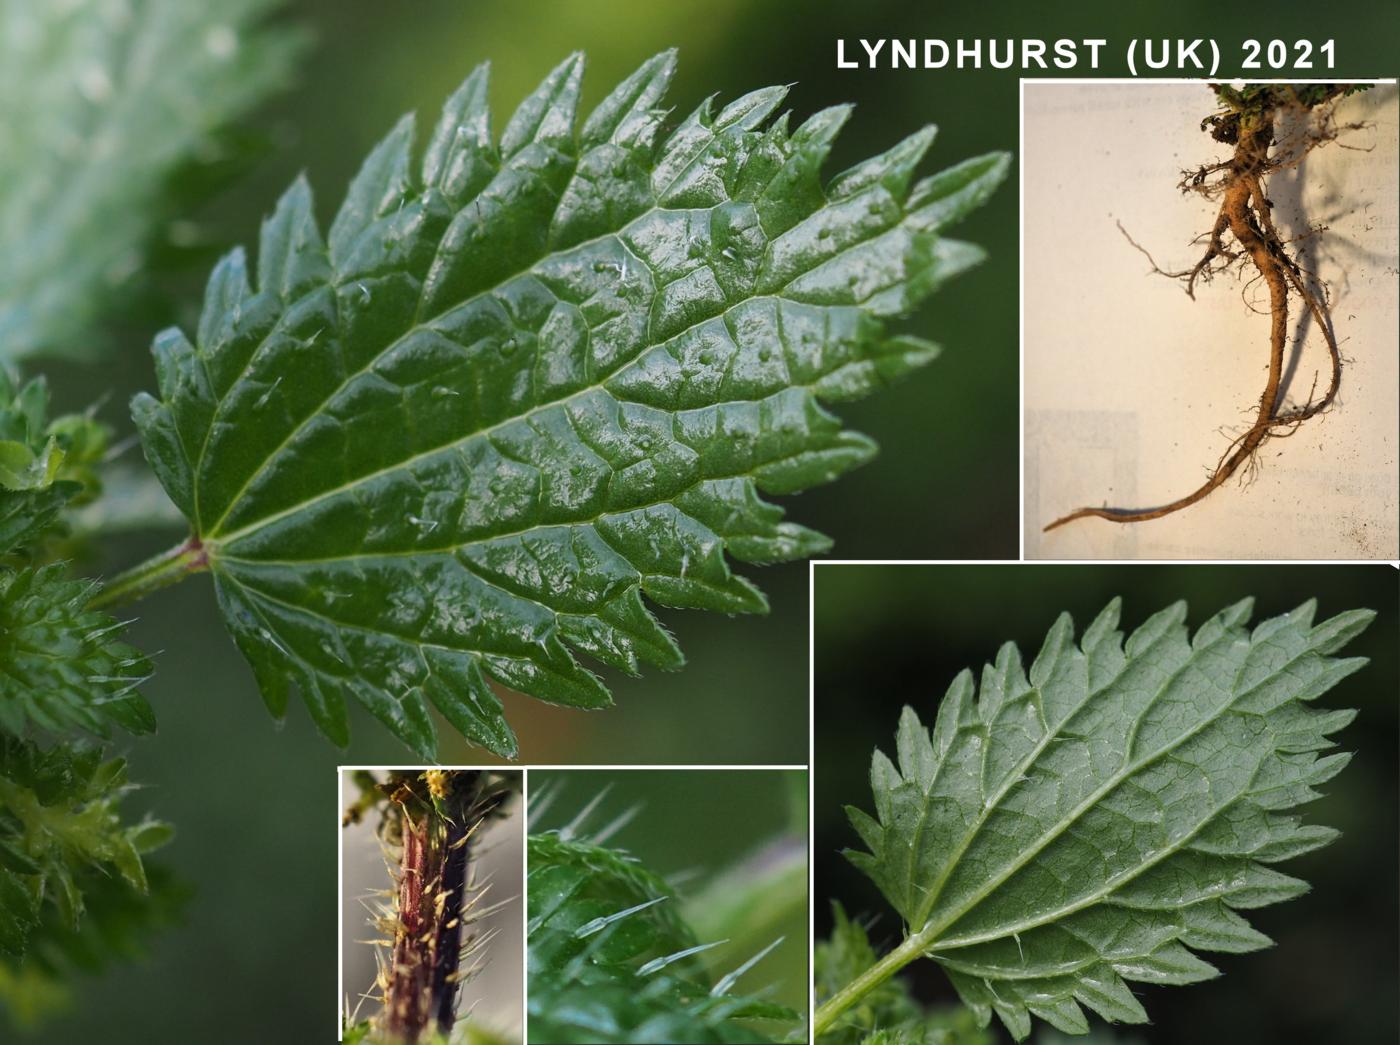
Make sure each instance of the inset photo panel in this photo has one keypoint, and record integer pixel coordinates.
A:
(431, 899)
(668, 906)
(1210, 331)
(1048, 799)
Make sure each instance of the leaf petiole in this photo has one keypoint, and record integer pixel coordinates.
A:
(160, 571)
(830, 1010)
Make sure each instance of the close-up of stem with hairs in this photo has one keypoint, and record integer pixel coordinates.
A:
(431, 931)
(1272, 128)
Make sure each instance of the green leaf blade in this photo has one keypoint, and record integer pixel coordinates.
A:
(1089, 823)
(523, 383)
(65, 667)
(612, 960)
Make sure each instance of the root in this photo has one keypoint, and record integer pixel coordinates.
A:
(1245, 216)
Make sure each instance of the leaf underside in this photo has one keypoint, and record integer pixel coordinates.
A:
(1055, 836)
(525, 381)
(610, 960)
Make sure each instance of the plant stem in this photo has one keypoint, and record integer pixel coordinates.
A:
(829, 1011)
(161, 571)
(406, 996)
(466, 789)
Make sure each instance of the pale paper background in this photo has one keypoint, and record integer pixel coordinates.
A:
(1128, 382)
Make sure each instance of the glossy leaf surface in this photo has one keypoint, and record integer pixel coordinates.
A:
(527, 380)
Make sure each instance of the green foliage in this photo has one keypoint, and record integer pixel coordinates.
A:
(102, 102)
(73, 885)
(611, 960)
(44, 465)
(888, 1014)
(1101, 819)
(951, 1026)
(838, 960)
(74, 888)
(64, 667)
(116, 926)
(59, 822)
(527, 380)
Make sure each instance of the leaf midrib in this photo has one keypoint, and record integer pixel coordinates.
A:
(657, 194)
(212, 535)
(316, 411)
(215, 540)
(931, 932)
(215, 549)
(1013, 778)
(1110, 887)
(257, 590)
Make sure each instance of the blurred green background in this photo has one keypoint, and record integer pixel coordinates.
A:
(888, 636)
(690, 827)
(256, 808)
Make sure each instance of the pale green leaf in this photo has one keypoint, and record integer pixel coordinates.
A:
(1099, 820)
(524, 382)
(102, 101)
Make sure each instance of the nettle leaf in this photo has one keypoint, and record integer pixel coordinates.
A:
(43, 464)
(64, 666)
(1100, 820)
(611, 960)
(523, 382)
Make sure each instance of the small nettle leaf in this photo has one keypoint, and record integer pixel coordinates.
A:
(525, 381)
(64, 664)
(611, 960)
(44, 465)
(1102, 818)
(26, 514)
(117, 926)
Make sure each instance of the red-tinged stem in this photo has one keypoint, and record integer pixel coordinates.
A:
(407, 999)
(167, 568)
